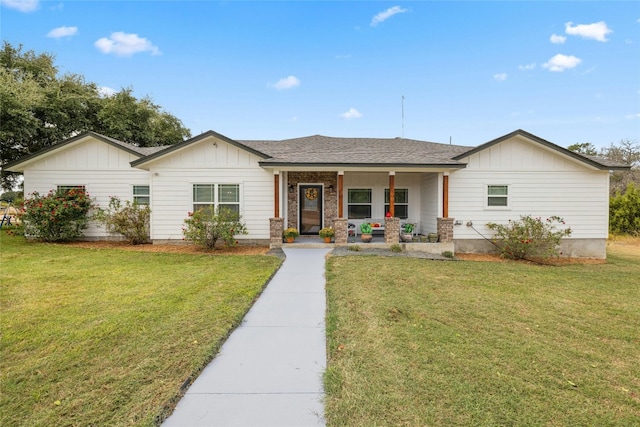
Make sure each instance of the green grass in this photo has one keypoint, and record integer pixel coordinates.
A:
(482, 343)
(107, 336)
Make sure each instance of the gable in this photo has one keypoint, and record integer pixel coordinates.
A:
(206, 152)
(87, 152)
(519, 153)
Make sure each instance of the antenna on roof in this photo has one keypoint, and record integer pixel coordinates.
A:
(403, 116)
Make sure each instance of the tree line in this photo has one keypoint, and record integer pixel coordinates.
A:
(39, 107)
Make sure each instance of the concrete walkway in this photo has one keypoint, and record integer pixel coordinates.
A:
(269, 371)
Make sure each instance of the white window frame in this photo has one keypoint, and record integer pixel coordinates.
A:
(370, 204)
(387, 196)
(216, 203)
(137, 196)
(488, 196)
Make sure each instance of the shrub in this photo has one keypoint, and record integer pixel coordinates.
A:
(131, 220)
(326, 232)
(395, 248)
(624, 211)
(529, 237)
(355, 248)
(59, 216)
(291, 233)
(206, 226)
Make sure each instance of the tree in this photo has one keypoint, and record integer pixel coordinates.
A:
(625, 152)
(583, 148)
(624, 211)
(39, 108)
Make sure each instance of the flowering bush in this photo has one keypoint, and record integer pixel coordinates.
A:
(59, 216)
(529, 237)
(131, 220)
(291, 233)
(205, 226)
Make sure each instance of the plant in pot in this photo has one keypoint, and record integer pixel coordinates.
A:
(406, 234)
(290, 234)
(327, 234)
(366, 232)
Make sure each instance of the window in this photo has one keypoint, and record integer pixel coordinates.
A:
(401, 202)
(359, 203)
(497, 195)
(141, 194)
(209, 196)
(72, 187)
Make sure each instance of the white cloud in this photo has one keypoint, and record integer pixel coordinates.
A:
(286, 83)
(500, 77)
(562, 62)
(596, 31)
(556, 39)
(123, 44)
(106, 91)
(351, 114)
(63, 31)
(527, 66)
(633, 116)
(21, 5)
(383, 16)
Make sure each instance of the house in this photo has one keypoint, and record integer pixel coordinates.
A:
(319, 181)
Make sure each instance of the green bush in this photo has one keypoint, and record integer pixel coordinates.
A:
(624, 211)
(59, 216)
(206, 226)
(529, 237)
(129, 219)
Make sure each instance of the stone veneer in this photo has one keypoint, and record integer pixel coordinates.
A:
(340, 228)
(329, 204)
(445, 230)
(391, 230)
(276, 228)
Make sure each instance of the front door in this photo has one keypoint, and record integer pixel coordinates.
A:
(310, 209)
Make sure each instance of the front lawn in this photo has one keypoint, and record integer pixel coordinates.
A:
(107, 336)
(433, 343)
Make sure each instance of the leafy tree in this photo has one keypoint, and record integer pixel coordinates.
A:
(11, 196)
(584, 148)
(39, 108)
(624, 211)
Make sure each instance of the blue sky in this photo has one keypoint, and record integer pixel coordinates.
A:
(471, 71)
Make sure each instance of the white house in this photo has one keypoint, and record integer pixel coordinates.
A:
(317, 181)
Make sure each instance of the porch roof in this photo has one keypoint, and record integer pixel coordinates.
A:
(320, 152)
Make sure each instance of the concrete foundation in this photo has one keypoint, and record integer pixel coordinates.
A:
(569, 248)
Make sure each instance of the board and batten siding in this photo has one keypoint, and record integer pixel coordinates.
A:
(103, 169)
(210, 161)
(541, 182)
(430, 202)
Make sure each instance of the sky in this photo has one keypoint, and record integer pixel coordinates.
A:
(459, 72)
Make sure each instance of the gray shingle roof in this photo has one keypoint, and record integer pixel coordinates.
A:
(326, 150)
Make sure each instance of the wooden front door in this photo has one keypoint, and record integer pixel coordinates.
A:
(310, 209)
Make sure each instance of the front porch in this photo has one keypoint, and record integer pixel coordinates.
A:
(343, 200)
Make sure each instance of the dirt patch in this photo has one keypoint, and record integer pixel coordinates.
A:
(173, 248)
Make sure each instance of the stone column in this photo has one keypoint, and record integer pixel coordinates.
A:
(445, 230)
(276, 228)
(340, 228)
(392, 230)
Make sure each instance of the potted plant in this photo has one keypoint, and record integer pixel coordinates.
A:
(290, 234)
(327, 233)
(366, 230)
(406, 234)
